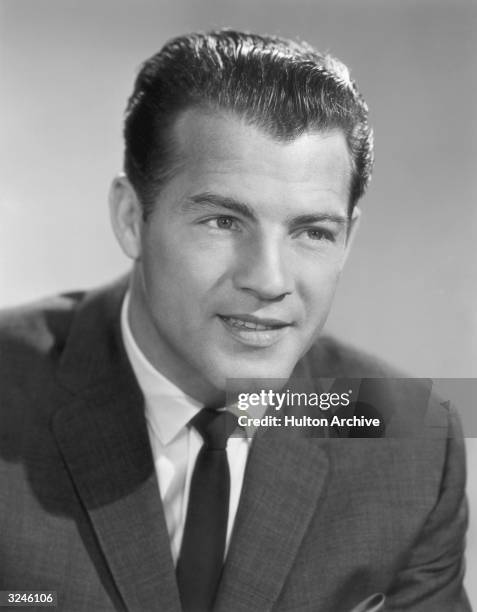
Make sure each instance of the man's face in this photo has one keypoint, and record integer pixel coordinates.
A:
(240, 258)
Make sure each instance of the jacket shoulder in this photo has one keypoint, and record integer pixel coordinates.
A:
(406, 404)
(40, 326)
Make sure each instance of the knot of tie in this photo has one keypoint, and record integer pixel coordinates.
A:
(215, 427)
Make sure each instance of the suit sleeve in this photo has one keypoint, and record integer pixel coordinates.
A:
(431, 581)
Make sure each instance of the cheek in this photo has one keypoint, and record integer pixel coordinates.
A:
(318, 285)
(180, 269)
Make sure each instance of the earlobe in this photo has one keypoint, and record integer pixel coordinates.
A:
(126, 216)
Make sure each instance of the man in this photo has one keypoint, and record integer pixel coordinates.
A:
(245, 158)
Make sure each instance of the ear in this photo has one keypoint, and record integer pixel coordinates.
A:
(352, 230)
(126, 216)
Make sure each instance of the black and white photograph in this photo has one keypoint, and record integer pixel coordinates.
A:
(238, 297)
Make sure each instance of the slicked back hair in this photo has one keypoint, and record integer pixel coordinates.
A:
(282, 87)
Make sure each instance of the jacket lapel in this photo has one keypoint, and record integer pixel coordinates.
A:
(285, 476)
(282, 486)
(103, 438)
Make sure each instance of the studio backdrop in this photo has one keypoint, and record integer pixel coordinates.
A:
(408, 292)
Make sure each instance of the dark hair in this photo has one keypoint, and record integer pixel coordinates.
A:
(281, 86)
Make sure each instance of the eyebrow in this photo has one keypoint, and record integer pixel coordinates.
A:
(341, 220)
(218, 201)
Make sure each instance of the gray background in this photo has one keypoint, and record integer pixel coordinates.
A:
(409, 290)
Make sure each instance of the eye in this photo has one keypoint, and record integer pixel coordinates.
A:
(222, 223)
(319, 234)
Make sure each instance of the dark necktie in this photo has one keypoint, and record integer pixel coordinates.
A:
(203, 544)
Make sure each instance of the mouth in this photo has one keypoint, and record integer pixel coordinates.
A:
(255, 331)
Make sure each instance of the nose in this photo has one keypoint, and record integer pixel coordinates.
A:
(262, 270)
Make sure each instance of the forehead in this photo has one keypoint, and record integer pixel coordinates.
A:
(223, 152)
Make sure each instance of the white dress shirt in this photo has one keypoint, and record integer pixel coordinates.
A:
(174, 445)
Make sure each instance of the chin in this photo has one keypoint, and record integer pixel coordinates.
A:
(256, 374)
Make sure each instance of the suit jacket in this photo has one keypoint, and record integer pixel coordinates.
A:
(324, 524)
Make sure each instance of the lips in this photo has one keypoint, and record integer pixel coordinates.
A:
(254, 323)
(255, 331)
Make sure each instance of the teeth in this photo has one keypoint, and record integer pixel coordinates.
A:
(246, 324)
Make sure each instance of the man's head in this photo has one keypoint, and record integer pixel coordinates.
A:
(238, 206)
